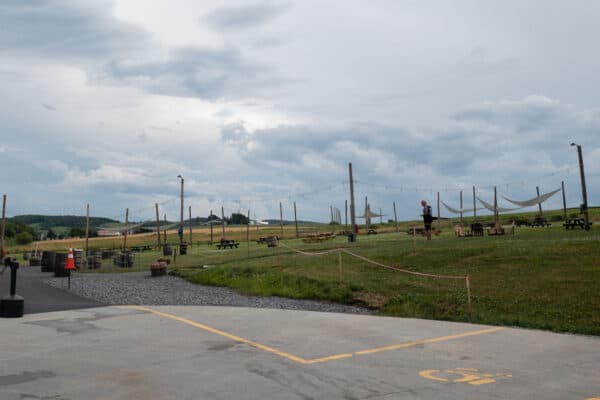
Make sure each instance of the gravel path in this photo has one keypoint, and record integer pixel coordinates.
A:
(141, 289)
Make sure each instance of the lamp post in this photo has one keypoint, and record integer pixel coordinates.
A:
(180, 231)
(584, 206)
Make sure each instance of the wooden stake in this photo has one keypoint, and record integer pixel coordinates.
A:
(352, 204)
(157, 224)
(474, 205)
(210, 222)
(468, 283)
(340, 266)
(438, 211)
(461, 206)
(248, 233)
(126, 229)
(495, 205)
(165, 231)
(366, 214)
(346, 214)
(537, 189)
(223, 221)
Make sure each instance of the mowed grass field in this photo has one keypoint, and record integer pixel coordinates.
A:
(547, 278)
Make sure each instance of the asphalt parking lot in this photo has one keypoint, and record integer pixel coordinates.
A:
(203, 352)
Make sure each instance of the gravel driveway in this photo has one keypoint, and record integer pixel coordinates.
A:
(141, 289)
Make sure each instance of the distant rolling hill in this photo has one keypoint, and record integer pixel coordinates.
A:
(45, 222)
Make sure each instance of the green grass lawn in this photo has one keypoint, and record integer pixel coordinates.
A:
(546, 278)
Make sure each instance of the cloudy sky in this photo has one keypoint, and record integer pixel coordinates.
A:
(257, 102)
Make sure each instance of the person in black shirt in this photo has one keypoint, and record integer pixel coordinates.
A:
(427, 218)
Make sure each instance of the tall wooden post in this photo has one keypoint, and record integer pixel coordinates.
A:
(380, 217)
(210, 222)
(165, 230)
(331, 212)
(223, 222)
(87, 229)
(248, 234)
(296, 221)
(281, 218)
(346, 213)
(537, 189)
(157, 224)
(438, 211)
(461, 207)
(562, 186)
(366, 214)
(495, 205)
(190, 209)
(126, 229)
(3, 227)
(352, 205)
(474, 205)
(395, 217)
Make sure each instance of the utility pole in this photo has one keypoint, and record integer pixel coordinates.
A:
(584, 206)
(296, 221)
(352, 205)
(181, 214)
(537, 189)
(157, 224)
(126, 229)
(562, 186)
(87, 229)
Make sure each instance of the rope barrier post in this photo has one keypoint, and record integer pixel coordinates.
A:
(340, 266)
(468, 284)
(414, 240)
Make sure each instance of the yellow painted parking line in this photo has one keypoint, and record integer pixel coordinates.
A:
(301, 360)
(425, 341)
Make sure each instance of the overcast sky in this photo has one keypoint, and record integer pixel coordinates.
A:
(259, 102)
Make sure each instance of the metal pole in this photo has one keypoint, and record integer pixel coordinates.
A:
(562, 186)
(352, 205)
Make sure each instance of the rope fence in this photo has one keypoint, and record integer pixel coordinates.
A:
(341, 250)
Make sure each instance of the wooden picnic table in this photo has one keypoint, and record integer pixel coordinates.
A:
(572, 223)
(224, 243)
(539, 222)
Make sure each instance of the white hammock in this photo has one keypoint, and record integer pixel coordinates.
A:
(535, 201)
(497, 209)
(460, 210)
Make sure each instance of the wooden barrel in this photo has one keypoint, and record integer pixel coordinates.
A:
(59, 265)
(124, 259)
(167, 250)
(47, 262)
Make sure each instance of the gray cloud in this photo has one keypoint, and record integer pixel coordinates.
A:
(245, 16)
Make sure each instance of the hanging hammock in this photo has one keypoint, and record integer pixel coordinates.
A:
(535, 201)
(497, 209)
(460, 210)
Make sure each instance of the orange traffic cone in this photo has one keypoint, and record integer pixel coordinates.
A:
(70, 260)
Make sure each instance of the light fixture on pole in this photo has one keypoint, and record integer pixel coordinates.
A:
(584, 206)
(180, 231)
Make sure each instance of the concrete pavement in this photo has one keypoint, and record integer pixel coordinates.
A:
(196, 352)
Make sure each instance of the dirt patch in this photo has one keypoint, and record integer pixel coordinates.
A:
(371, 300)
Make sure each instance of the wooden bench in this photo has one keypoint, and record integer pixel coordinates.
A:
(224, 243)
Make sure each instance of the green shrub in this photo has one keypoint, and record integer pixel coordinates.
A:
(23, 238)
